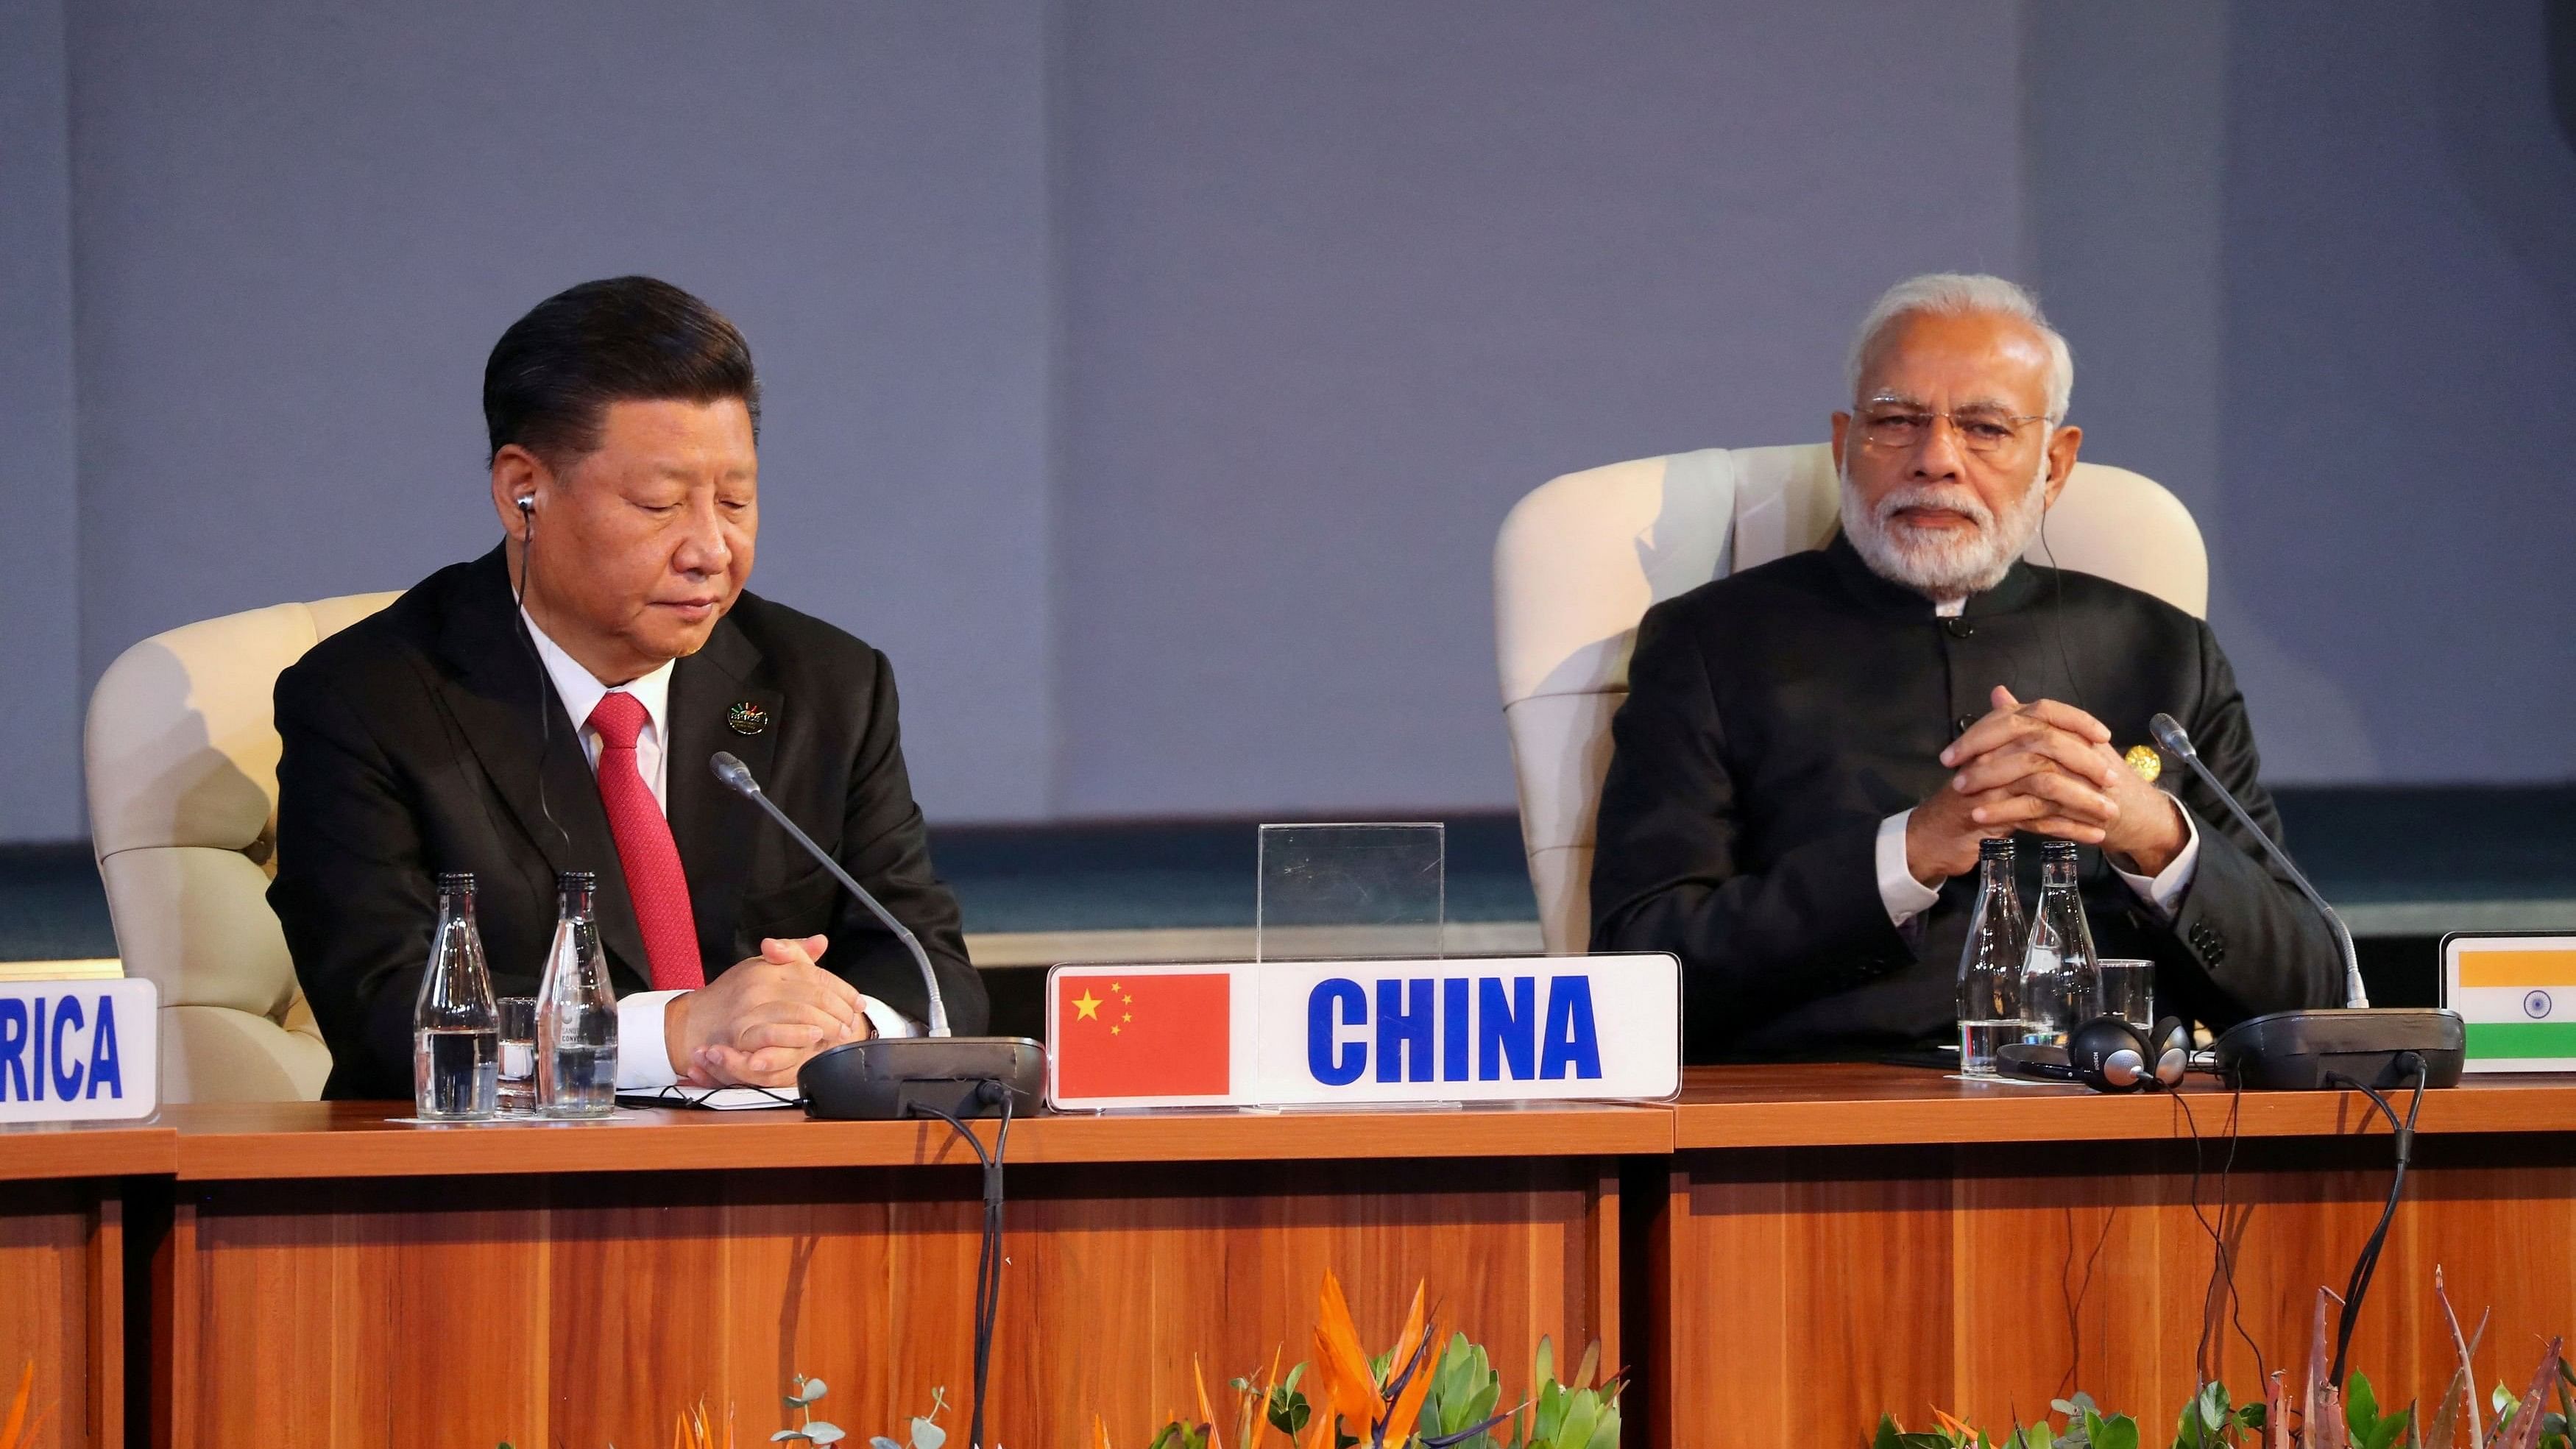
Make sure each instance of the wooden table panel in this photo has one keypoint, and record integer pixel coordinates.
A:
(579, 1308)
(60, 1308)
(1946, 1265)
(62, 1271)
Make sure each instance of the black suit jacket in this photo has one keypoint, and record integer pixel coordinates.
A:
(413, 746)
(1776, 717)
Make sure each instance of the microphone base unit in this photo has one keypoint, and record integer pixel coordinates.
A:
(887, 1078)
(2295, 1051)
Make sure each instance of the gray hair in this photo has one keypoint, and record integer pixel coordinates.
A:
(1960, 294)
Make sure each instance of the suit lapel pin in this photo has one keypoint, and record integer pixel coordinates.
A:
(747, 718)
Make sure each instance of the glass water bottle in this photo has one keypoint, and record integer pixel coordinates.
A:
(576, 1010)
(456, 1030)
(1991, 965)
(2058, 973)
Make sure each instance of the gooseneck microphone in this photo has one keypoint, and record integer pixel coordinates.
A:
(939, 1074)
(737, 778)
(2169, 735)
(2312, 1049)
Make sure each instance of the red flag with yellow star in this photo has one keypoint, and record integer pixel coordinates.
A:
(1143, 1035)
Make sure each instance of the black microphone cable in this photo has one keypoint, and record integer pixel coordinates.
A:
(988, 1257)
(2368, 1263)
(2220, 1296)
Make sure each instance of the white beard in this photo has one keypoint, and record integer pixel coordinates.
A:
(1943, 564)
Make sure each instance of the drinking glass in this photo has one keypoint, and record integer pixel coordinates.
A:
(2128, 990)
(518, 1055)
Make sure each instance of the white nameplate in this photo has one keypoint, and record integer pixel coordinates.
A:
(1290, 1033)
(79, 1051)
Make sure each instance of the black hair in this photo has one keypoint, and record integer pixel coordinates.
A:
(552, 376)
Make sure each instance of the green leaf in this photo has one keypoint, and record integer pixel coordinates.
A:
(1581, 1413)
(1887, 1437)
(2360, 1405)
(1543, 1372)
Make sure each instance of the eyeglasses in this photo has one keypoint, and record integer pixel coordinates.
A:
(1894, 424)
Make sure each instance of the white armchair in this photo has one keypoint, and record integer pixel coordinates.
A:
(182, 760)
(1581, 559)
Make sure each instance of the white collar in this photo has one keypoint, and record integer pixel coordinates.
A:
(581, 691)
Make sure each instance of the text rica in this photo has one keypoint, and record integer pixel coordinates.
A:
(55, 1048)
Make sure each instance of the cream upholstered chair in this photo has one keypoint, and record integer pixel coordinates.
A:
(1581, 559)
(182, 752)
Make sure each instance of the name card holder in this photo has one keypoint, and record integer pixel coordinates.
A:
(1364, 1033)
(80, 1050)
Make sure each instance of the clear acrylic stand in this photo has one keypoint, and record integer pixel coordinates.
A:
(1352, 892)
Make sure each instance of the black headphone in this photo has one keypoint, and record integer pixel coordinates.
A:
(2109, 1055)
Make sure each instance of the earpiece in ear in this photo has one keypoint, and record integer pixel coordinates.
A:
(528, 503)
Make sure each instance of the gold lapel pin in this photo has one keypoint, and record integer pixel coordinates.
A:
(2145, 763)
(747, 718)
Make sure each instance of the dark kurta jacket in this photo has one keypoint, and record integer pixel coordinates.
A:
(1777, 716)
(412, 746)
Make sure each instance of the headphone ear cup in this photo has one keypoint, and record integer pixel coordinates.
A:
(2108, 1055)
(2170, 1046)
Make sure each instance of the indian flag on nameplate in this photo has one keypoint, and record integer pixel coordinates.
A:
(2517, 995)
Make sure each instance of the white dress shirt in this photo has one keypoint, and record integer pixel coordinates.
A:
(1905, 897)
(643, 1056)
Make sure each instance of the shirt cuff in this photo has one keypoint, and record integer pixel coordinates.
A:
(643, 1055)
(1898, 890)
(887, 1020)
(2166, 889)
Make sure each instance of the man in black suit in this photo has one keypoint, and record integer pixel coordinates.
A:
(1812, 750)
(552, 706)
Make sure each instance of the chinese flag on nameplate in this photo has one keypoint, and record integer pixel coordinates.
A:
(1143, 1035)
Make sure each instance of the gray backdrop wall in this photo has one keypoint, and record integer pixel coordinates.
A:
(1149, 379)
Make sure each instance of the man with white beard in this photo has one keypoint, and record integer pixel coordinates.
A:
(1811, 751)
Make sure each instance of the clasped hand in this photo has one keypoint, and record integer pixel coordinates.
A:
(757, 1023)
(2047, 768)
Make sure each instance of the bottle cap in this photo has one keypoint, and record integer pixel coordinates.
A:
(456, 880)
(2057, 850)
(576, 880)
(1999, 849)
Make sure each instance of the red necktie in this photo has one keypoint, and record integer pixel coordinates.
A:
(645, 850)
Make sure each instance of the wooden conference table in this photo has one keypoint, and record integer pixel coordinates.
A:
(1782, 1254)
